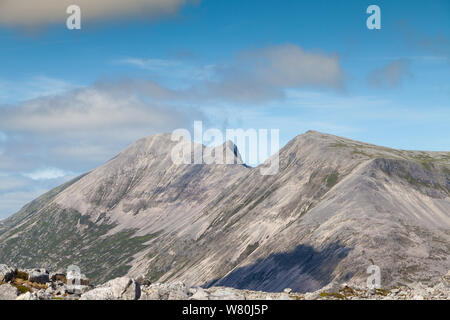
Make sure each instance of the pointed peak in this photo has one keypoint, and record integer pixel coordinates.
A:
(230, 149)
(231, 146)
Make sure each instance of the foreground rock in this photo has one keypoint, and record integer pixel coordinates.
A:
(6, 273)
(39, 275)
(118, 289)
(334, 292)
(24, 286)
(8, 292)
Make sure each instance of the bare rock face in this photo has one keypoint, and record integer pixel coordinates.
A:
(335, 207)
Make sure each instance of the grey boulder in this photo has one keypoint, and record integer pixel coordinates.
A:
(123, 288)
(39, 276)
(8, 292)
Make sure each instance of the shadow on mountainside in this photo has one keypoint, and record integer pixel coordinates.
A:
(303, 270)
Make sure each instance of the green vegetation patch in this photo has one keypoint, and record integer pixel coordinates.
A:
(332, 179)
(53, 240)
(22, 289)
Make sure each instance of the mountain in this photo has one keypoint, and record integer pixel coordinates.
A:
(335, 207)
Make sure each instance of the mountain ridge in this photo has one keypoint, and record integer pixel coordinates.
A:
(335, 204)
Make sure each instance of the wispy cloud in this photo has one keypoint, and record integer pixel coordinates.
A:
(435, 45)
(37, 86)
(151, 64)
(391, 75)
(47, 174)
(253, 76)
(173, 69)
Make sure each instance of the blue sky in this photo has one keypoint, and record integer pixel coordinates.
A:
(72, 99)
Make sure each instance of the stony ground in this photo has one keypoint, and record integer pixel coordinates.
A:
(39, 284)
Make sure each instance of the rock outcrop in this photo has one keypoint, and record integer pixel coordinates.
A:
(117, 289)
(8, 292)
(125, 288)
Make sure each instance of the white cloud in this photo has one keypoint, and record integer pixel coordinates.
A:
(90, 110)
(38, 86)
(47, 174)
(26, 13)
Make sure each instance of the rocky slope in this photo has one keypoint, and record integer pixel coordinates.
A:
(39, 284)
(335, 207)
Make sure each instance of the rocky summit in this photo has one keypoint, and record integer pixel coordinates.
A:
(334, 207)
